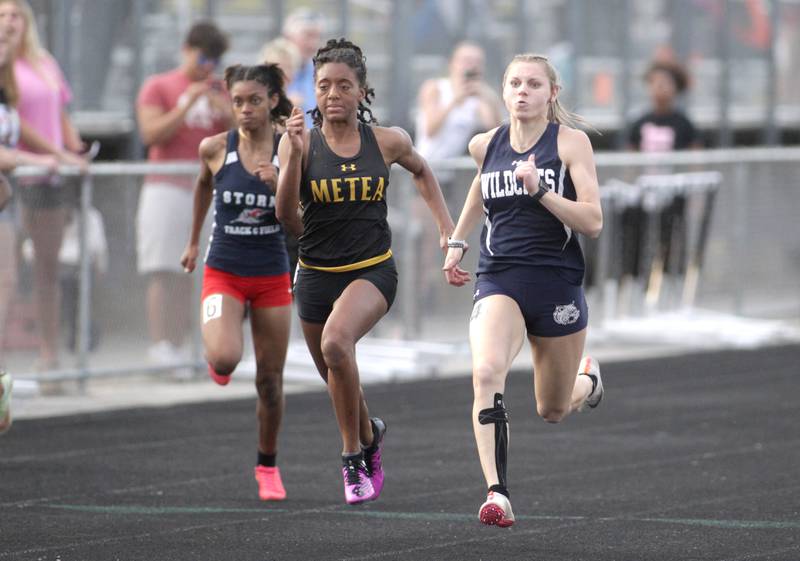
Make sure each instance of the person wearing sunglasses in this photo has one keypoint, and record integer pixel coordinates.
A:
(175, 110)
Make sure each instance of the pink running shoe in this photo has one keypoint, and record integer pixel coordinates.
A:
(218, 378)
(372, 455)
(357, 484)
(496, 511)
(270, 486)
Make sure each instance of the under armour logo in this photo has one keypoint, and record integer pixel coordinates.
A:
(351, 167)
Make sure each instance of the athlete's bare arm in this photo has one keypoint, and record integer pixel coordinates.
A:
(473, 205)
(212, 151)
(291, 154)
(212, 156)
(471, 213)
(396, 146)
(585, 214)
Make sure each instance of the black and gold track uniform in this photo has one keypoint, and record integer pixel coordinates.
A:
(346, 235)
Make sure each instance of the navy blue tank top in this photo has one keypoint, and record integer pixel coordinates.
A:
(519, 230)
(246, 239)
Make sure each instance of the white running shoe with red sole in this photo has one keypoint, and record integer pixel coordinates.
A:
(496, 511)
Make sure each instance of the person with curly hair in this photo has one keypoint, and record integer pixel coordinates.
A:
(337, 176)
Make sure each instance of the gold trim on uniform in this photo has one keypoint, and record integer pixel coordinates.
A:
(351, 267)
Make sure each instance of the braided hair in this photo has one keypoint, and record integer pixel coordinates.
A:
(342, 50)
(269, 75)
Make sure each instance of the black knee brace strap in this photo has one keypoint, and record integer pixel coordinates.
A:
(498, 415)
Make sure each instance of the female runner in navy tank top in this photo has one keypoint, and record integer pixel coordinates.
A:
(246, 262)
(536, 189)
(346, 279)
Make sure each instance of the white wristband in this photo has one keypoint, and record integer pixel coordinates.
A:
(460, 244)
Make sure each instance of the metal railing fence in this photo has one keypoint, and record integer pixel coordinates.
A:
(742, 207)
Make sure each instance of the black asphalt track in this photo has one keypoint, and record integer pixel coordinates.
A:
(690, 457)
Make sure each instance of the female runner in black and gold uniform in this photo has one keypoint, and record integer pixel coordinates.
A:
(338, 174)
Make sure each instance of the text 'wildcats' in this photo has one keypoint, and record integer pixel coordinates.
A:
(497, 184)
(347, 189)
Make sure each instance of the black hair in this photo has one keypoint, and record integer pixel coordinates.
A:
(679, 75)
(207, 37)
(342, 50)
(269, 75)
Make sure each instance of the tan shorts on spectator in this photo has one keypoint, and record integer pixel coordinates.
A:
(163, 223)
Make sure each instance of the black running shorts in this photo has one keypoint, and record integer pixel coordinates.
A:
(316, 291)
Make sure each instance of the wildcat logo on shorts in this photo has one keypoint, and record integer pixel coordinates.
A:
(566, 315)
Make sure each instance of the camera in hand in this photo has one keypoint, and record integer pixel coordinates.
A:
(472, 74)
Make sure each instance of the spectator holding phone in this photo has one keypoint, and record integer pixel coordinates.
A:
(175, 111)
(453, 109)
(450, 111)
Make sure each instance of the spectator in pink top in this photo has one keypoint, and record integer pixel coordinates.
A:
(664, 127)
(45, 127)
(175, 110)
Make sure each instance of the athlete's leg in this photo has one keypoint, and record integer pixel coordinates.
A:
(496, 335)
(312, 332)
(221, 326)
(559, 389)
(354, 313)
(270, 327)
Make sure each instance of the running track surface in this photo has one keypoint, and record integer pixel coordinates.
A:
(691, 457)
